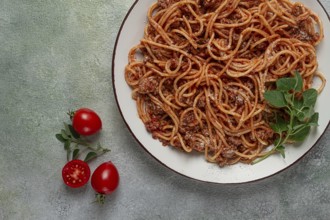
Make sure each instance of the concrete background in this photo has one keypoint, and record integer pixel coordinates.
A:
(55, 56)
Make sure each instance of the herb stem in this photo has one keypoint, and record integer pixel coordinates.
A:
(99, 154)
(68, 151)
(268, 153)
(83, 143)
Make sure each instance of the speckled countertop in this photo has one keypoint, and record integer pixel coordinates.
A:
(55, 56)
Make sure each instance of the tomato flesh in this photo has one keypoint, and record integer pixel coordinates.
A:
(105, 178)
(86, 122)
(76, 173)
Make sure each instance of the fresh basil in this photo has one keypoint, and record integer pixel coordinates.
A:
(296, 112)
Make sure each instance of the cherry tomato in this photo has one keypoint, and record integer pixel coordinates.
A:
(76, 173)
(86, 122)
(105, 178)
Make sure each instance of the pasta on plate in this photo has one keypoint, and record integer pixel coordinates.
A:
(199, 73)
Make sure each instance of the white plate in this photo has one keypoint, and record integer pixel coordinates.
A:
(193, 165)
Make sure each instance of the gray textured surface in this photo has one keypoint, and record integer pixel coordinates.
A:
(55, 56)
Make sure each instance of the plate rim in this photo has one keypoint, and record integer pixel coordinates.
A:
(157, 159)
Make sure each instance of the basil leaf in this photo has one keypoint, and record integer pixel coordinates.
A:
(297, 127)
(314, 119)
(60, 138)
(305, 114)
(276, 128)
(90, 156)
(277, 141)
(75, 154)
(275, 98)
(298, 104)
(300, 135)
(64, 135)
(310, 96)
(309, 112)
(281, 150)
(70, 131)
(286, 84)
(301, 115)
(288, 98)
(67, 144)
(67, 130)
(73, 132)
(280, 125)
(299, 82)
(296, 122)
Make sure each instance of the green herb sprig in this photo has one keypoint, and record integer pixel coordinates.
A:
(75, 144)
(295, 114)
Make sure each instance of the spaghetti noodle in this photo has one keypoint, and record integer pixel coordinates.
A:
(206, 64)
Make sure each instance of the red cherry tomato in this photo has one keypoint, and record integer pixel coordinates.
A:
(76, 173)
(86, 122)
(105, 178)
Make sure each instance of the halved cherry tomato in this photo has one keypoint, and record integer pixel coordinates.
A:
(105, 178)
(86, 122)
(76, 173)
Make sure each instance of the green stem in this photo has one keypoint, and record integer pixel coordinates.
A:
(268, 153)
(298, 130)
(99, 198)
(99, 150)
(289, 133)
(281, 141)
(83, 143)
(68, 154)
(98, 154)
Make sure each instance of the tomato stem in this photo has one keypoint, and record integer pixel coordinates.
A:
(99, 198)
(71, 114)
